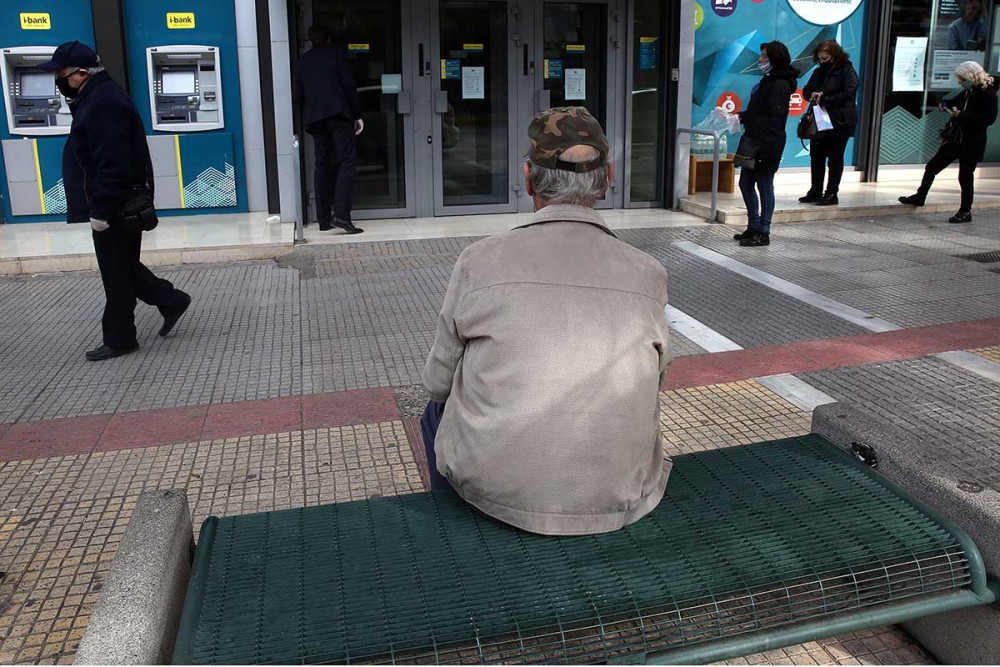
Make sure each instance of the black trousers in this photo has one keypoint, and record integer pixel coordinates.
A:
(945, 155)
(335, 165)
(126, 279)
(429, 423)
(827, 148)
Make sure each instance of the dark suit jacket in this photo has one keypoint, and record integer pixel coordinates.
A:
(324, 85)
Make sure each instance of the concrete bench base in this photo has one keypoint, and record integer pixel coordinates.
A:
(135, 620)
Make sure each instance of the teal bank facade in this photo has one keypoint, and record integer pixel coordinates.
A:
(448, 87)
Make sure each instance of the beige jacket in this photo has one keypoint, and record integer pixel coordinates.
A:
(550, 349)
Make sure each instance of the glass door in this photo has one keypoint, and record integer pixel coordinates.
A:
(472, 102)
(577, 45)
(374, 33)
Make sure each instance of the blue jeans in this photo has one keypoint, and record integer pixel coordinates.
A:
(429, 424)
(759, 211)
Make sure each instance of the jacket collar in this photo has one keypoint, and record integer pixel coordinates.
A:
(92, 83)
(567, 213)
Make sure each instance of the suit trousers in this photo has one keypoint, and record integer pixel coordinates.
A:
(336, 150)
(126, 279)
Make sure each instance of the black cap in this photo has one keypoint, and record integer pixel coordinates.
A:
(71, 54)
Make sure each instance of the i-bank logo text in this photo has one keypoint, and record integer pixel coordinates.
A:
(724, 8)
(35, 22)
(180, 21)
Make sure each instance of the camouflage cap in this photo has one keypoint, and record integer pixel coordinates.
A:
(554, 130)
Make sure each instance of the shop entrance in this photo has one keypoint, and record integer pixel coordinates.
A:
(448, 88)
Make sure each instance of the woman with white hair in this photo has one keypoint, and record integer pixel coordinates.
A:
(975, 109)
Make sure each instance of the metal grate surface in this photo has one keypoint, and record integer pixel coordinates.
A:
(984, 257)
(748, 538)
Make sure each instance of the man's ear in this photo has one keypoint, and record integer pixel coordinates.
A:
(527, 179)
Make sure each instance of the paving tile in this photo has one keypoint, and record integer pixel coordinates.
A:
(56, 437)
(349, 407)
(251, 417)
(127, 430)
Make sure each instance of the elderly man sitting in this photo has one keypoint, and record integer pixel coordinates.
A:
(551, 347)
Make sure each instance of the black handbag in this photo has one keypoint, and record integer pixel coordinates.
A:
(807, 125)
(952, 131)
(137, 214)
(746, 153)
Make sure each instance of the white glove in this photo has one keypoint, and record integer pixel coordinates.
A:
(359, 127)
(99, 225)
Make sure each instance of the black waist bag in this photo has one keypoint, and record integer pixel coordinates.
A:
(137, 214)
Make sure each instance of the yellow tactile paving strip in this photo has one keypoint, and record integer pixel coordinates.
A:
(61, 519)
(991, 353)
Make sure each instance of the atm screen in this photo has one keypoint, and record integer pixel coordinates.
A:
(37, 84)
(178, 82)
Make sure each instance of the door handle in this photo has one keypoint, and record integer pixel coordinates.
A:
(403, 104)
(441, 101)
(423, 66)
(525, 60)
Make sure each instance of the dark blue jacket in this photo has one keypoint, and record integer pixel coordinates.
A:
(324, 85)
(109, 142)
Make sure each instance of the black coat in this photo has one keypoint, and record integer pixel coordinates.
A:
(839, 86)
(766, 115)
(324, 85)
(976, 118)
(108, 140)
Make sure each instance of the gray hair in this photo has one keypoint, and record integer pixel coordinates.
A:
(558, 186)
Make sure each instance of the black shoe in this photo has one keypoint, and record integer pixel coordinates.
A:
(960, 217)
(104, 352)
(346, 225)
(810, 197)
(325, 225)
(745, 234)
(756, 239)
(170, 320)
(828, 200)
(912, 200)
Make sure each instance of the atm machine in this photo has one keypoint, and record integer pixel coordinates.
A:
(185, 81)
(186, 88)
(34, 106)
(35, 120)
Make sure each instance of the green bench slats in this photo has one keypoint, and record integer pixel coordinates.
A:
(747, 540)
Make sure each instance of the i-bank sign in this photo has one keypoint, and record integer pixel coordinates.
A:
(824, 12)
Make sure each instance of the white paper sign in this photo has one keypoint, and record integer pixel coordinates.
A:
(908, 67)
(944, 64)
(473, 83)
(576, 84)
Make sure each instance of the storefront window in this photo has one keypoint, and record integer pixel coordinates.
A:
(647, 100)
(928, 38)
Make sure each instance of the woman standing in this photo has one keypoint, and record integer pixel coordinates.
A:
(764, 123)
(833, 86)
(975, 109)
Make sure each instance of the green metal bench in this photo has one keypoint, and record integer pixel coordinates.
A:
(752, 548)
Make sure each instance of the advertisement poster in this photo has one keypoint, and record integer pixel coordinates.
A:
(473, 83)
(943, 67)
(576, 83)
(908, 66)
(727, 49)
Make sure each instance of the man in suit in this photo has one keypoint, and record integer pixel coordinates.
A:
(106, 160)
(324, 89)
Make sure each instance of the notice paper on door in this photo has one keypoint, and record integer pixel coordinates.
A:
(473, 83)
(576, 83)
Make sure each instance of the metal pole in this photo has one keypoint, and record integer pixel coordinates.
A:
(300, 229)
(716, 137)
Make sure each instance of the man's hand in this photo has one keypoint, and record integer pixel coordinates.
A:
(99, 225)
(359, 127)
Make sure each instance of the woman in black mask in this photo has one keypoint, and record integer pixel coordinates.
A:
(833, 86)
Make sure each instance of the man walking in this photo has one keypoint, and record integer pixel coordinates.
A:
(551, 348)
(111, 162)
(324, 88)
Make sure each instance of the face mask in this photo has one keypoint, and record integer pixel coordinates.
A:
(824, 63)
(68, 91)
(764, 67)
